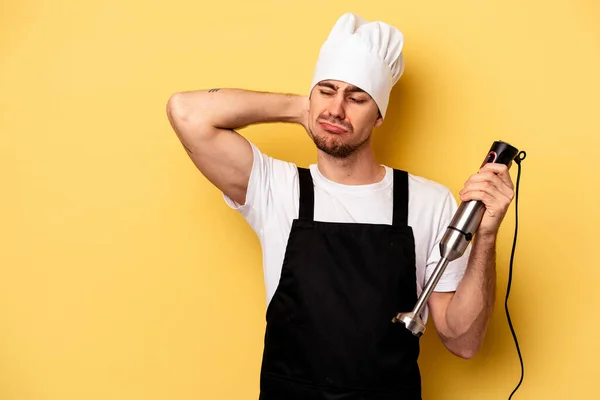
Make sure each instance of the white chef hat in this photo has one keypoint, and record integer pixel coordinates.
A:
(364, 54)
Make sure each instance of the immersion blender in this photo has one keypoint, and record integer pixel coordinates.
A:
(455, 241)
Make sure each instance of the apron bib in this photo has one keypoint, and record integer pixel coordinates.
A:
(329, 334)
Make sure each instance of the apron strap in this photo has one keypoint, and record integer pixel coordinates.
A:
(400, 214)
(400, 210)
(307, 195)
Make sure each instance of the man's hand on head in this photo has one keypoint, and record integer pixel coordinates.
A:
(304, 113)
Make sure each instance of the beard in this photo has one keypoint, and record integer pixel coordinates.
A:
(334, 146)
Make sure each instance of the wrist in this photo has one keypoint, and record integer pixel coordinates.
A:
(298, 109)
(486, 238)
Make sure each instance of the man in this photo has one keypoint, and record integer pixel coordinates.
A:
(347, 242)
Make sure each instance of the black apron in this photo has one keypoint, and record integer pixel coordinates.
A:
(329, 333)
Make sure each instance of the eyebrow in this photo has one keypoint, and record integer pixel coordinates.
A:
(349, 89)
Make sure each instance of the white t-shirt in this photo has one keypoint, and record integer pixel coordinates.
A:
(272, 202)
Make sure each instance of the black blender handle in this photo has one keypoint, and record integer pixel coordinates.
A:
(501, 153)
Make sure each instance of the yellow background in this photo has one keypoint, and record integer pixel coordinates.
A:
(123, 275)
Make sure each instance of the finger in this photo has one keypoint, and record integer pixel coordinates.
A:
(494, 167)
(500, 170)
(492, 179)
(487, 198)
(488, 188)
(499, 179)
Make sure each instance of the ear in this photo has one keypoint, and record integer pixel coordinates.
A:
(379, 121)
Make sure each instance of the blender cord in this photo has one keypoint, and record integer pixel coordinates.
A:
(520, 157)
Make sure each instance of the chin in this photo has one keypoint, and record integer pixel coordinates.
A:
(329, 139)
(333, 146)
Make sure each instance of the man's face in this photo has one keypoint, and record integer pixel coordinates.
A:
(341, 118)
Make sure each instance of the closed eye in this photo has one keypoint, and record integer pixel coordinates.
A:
(326, 93)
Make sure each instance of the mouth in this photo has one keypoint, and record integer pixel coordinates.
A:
(332, 128)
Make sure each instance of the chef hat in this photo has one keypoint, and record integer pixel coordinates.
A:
(364, 54)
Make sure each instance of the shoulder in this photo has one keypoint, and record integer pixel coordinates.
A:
(274, 167)
(427, 189)
(272, 189)
(429, 199)
(270, 174)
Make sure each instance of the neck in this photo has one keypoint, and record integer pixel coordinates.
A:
(361, 168)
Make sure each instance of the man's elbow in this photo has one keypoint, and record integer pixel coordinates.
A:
(186, 121)
(465, 351)
(178, 110)
(461, 346)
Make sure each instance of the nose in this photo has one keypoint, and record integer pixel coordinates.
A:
(336, 107)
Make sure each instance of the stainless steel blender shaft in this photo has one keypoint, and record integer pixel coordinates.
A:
(455, 241)
(452, 246)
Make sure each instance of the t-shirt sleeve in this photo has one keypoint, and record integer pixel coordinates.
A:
(258, 187)
(455, 270)
(270, 188)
